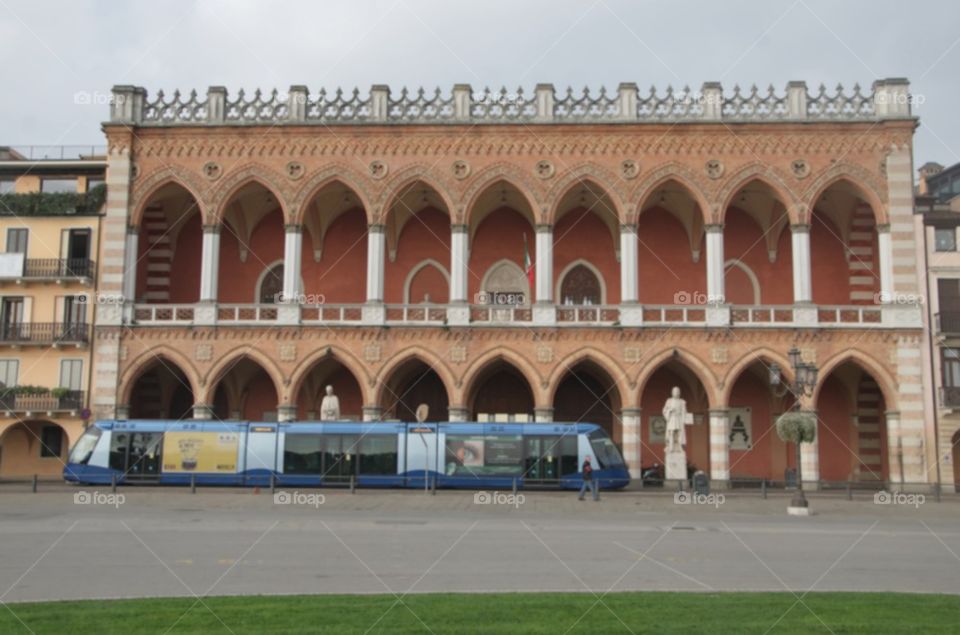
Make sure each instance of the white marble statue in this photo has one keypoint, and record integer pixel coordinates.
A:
(677, 418)
(330, 406)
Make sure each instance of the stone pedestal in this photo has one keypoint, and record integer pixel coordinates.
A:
(675, 466)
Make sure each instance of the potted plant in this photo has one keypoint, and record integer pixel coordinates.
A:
(796, 426)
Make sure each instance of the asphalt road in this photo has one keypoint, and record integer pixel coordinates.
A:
(163, 542)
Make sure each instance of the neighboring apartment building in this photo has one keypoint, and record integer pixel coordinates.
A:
(938, 217)
(517, 257)
(50, 207)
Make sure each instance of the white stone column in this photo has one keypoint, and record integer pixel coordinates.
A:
(632, 441)
(292, 258)
(895, 453)
(719, 448)
(629, 286)
(885, 258)
(810, 459)
(715, 273)
(802, 279)
(459, 263)
(210, 263)
(130, 257)
(374, 312)
(543, 414)
(544, 311)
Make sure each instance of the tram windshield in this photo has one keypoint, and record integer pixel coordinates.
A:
(83, 449)
(604, 449)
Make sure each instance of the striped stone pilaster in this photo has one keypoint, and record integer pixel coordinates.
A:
(107, 350)
(900, 216)
(810, 459)
(908, 434)
(719, 448)
(632, 453)
(894, 449)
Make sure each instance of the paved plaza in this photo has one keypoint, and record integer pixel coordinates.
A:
(72, 543)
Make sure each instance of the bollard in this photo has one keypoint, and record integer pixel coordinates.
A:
(34, 483)
(113, 483)
(193, 483)
(514, 485)
(353, 484)
(273, 483)
(849, 492)
(763, 488)
(433, 486)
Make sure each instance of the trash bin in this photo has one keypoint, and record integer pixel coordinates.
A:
(701, 483)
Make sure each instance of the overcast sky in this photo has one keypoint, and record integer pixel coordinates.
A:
(54, 50)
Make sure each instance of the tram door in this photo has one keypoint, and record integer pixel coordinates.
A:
(136, 454)
(341, 456)
(421, 453)
(542, 457)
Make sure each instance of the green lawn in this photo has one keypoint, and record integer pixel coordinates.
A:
(553, 613)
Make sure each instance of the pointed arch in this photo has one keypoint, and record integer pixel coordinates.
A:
(398, 184)
(509, 173)
(863, 181)
(414, 353)
(216, 374)
(147, 188)
(887, 383)
(688, 360)
(143, 363)
(510, 265)
(766, 174)
(342, 356)
(475, 371)
(423, 264)
(316, 182)
(593, 356)
(237, 180)
(586, 174)
(751, 276)
(673, 171)
(593, 269)
(764, 355)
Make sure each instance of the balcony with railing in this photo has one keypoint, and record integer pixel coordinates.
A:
(60, 269)
(15, 399)
(561, 316)
(950, 396)
(948, 322)
(44, 333)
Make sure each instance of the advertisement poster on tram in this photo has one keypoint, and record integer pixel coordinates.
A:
(185, 451)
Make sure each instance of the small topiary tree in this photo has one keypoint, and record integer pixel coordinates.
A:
(797, 427)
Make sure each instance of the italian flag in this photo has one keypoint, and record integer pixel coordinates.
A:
(528, 266)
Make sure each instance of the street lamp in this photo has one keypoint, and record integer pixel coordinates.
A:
(804, 382)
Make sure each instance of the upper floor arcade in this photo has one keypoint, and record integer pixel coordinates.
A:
(595, 220)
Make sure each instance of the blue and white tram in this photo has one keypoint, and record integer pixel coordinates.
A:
(415, 455)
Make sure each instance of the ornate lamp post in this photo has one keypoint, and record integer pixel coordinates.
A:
(794, 426)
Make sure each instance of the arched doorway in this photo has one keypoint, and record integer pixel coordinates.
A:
(245, 391)
(411, 384)
(756, 451)
(588, 394)
(162, 391)
(33, 447)
(329, 371)
(852, 431)
(500, 391)
(170, 247)
(656, 390)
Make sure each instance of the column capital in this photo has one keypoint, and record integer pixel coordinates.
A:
(203, 411)
(133, 230)
(543, 228)
(377, 228)
(883, 228)
(800, 228)
(459, 228)
(713, 228)
(719, 412)
(293, 228)
(372, 413)
(628, 412)
(212, 229)
(628, 227)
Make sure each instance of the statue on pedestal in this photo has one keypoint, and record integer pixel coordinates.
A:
(677, 419)
(330, 406)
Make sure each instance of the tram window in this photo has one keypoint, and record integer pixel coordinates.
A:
(569, 456)
(605, 450)
(378, 454)
(119, 446)
(476, 455)
(302, 453)
(82, 451)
